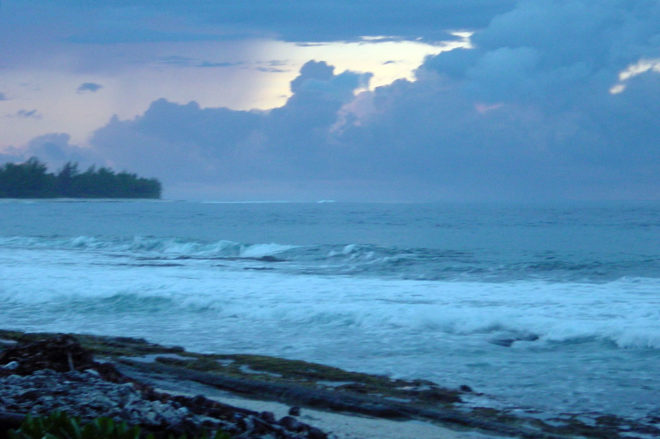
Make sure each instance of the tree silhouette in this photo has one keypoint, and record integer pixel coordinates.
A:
(31, 180)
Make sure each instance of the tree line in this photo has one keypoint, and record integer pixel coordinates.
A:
(31, 179)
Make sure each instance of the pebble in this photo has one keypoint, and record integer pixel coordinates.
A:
(88, 396)
(43, 381)
(46, 390)
(12, 365)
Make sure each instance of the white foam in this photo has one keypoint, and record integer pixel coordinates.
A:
(149, 245)
(350, 248)
(432, 329)
(261, 250)
(623, 312)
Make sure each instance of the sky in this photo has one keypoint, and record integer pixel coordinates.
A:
(360, 100)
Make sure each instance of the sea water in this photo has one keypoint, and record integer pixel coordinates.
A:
(550, 308)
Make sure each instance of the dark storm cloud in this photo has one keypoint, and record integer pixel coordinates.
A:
(527, 114)
(326, 20)
(109, 22)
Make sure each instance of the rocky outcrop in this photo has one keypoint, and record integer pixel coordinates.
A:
(57, 374)
(61, 353)
(125, 384)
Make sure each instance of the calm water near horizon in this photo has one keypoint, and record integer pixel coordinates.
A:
(543, 307)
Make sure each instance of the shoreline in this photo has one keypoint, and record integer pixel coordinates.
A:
(350, 403)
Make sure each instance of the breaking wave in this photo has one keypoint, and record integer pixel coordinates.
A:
(140, 246)
(357, 259)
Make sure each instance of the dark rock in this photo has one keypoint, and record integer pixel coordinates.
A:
(58, 374)
(269, 258)
(291, 423)
(29, 395)
(440, 395)
(268, 417)
(354, 387)
(201, 401)
(61, 353)
(261, 426)
(465, 388)
(9, 421)
(245, 423)
(315, 433)
(294, 411)
(507, 342)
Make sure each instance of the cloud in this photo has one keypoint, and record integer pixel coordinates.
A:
(528, 114)
(55, 150)
(188, 143)
(3, 97)
(25, 114)
(639, 68)
(327, 20)
(218, 64)
(273, 66)
(177, 60)
(186, 61)
(271, 70)
(200, 20)
(90, 87)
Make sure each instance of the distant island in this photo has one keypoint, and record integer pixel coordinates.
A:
(31, 180)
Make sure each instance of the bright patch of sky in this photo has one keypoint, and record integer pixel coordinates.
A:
(243, 75)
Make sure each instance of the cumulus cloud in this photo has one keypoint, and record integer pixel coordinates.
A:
(54, 149)
(90, 87)
(528, 113)
(184, 143)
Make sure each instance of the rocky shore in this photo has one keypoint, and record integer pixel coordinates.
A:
(58, 374)
(166, 390)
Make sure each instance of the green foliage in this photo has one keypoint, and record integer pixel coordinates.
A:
(59, 425)
(30, 180)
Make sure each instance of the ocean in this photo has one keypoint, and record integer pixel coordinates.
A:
(544, 308)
